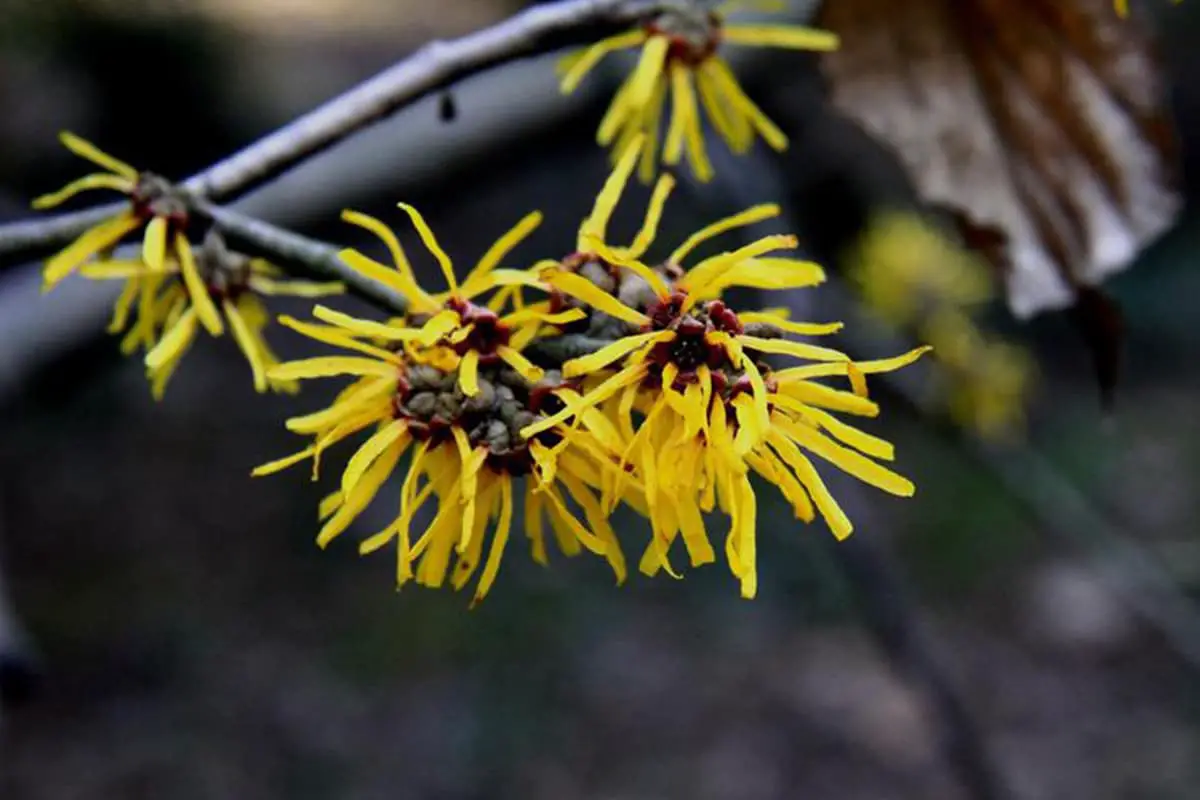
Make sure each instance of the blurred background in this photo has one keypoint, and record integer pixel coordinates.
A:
(196, 644)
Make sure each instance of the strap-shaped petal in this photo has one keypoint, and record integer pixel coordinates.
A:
(590, 57)
(202, 301)
(85, 149)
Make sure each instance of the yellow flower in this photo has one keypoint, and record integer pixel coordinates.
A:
(610, 279)
(160, 309)
(152, 203)
(700, 438)
(679, 58)
(454, 394)
(466, 456)
(913, 276)
(448, 330)
(710, 411)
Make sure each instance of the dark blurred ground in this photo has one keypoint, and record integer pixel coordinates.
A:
(199, 645)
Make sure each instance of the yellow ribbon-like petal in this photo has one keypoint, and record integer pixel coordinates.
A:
(468, 373)
(594, 362)
(91, 242)
(431, 244)
(596, 223)
(248, 341)
(795, 37)
(280, 464)
(848, 460)
(85, 149)
(202, 301)
(741, 219)
(582, 289)
(366, 327)
(87, 183)
(154, 243)
(477, 279)
(337, 338)
(371, 450)
(523, 366)
(332, 366)
(173, 342)
(773, 273)
(590, 57)
(789, 348)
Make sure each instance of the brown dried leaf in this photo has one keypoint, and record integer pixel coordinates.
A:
(1042, 121)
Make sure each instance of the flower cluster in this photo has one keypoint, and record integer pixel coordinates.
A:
(449, 384)
(680, 60)
(576, 385)
(671, 416)
(170, 289)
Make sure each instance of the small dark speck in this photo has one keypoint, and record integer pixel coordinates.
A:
(447, 108)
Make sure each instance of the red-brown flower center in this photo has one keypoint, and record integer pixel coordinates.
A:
(432, 403)
(226, 276)
(154, 196)
(488, 334)
(693, 345)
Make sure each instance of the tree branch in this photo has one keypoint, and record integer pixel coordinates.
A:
(893, 620)
(554, 351)
(438, 64)
(20, 241)
(315, 258)
(291, 250)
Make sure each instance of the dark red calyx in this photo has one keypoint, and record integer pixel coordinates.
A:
(488, 333)
(542, 399)
(666, 311)
(723, 317)
(154, 196)
(690, 41)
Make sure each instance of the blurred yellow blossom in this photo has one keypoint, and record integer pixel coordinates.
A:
(914, 276)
